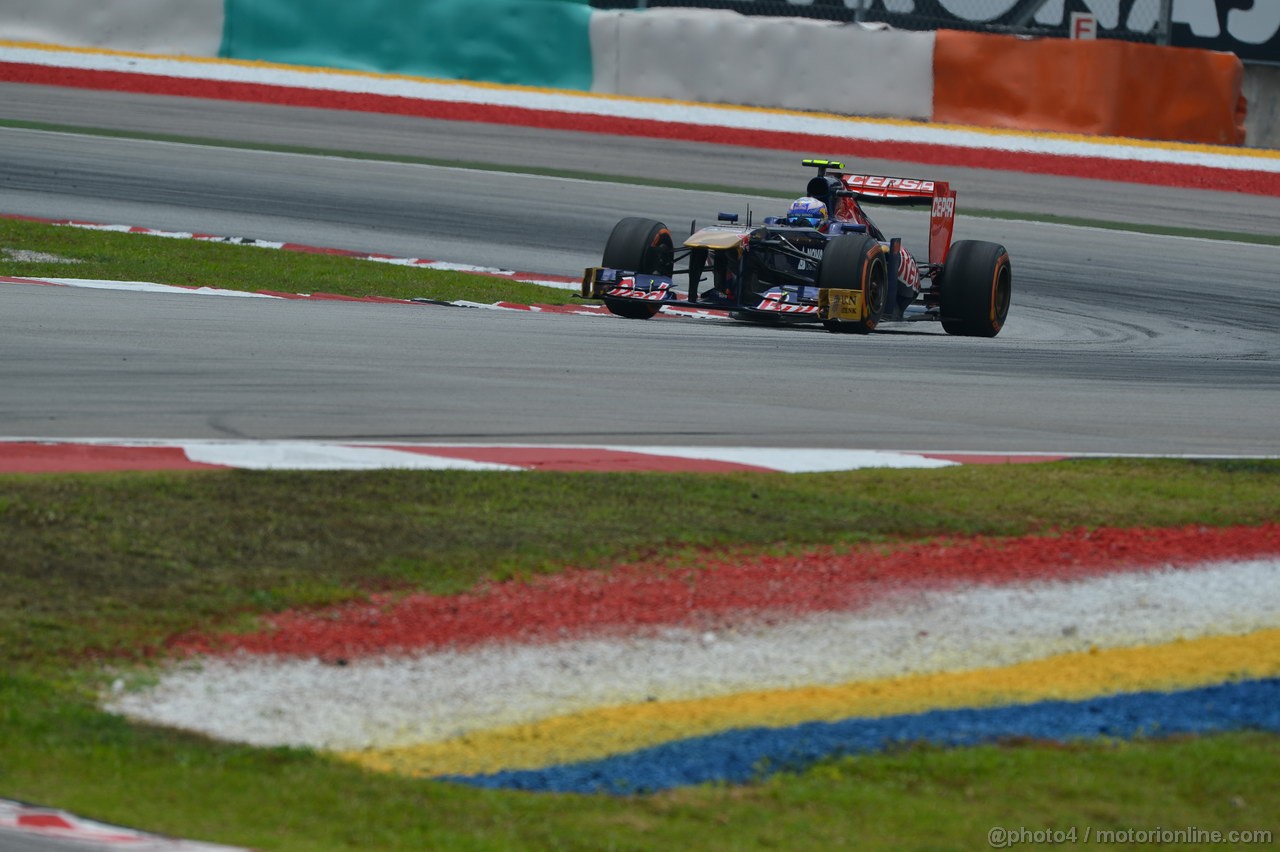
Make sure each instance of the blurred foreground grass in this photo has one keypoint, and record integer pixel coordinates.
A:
(99, 569)
(110, 564)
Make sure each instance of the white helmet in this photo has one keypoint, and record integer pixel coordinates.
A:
(807, 211)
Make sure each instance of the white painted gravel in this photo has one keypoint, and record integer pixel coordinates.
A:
(385, 702)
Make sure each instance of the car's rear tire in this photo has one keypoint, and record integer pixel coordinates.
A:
(638, 245)
(856, 262)
(977, 286)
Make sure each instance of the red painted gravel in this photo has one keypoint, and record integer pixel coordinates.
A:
(631, 597)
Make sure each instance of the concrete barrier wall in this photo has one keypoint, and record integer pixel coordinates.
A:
(1106, 87)
(529, 42)
(1262, 92)
(189, 28)
(723, 57)
(1103, 87)
(713, 56)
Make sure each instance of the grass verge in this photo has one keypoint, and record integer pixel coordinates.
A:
(101, 568)
(115, 256)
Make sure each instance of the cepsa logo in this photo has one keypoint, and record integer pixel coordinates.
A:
(945, 207)
(877, 182)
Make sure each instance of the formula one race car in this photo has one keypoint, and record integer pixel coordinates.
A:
(824, 262)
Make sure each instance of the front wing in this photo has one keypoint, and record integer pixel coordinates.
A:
(795, 304)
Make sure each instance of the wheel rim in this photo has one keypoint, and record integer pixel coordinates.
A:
(1001, 294)
(877, 289)
(661, 256)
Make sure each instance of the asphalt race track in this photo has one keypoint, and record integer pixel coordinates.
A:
(1116, 343)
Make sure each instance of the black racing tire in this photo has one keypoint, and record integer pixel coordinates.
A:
(856, 262)
(977, 286)
(638, 245)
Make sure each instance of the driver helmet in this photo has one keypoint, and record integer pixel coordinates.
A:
(807, 211)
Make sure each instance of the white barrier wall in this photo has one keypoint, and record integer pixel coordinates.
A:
(716, 56)
(186, 28)
(1262, 91)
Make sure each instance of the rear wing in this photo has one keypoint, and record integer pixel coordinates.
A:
(832, 181)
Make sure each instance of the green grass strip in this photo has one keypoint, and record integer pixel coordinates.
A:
(115, 256)
(1131, 227)
(390, 158)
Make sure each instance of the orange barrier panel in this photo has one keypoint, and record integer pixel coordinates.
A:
(1104, 87)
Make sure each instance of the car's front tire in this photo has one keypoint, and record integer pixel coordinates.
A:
(856, 262)
(638, 245)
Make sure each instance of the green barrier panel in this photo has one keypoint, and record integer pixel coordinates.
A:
(526, 42)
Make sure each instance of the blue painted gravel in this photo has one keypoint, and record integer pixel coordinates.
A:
(749, 754)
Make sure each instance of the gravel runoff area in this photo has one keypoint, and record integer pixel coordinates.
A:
(650, 677)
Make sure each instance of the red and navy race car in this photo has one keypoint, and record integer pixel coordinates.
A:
(824, 262)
